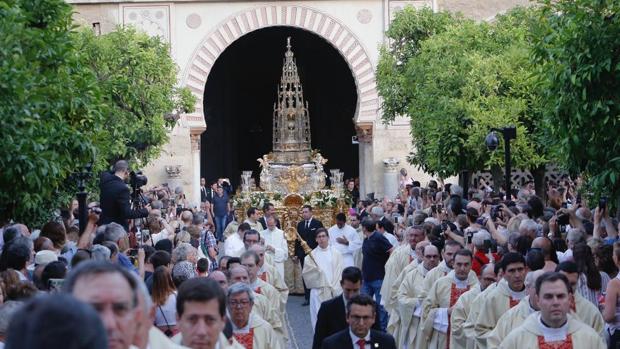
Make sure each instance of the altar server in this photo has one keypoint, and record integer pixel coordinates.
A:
(321, 273)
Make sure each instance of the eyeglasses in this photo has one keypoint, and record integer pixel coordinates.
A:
(238, 304)
(433, 256)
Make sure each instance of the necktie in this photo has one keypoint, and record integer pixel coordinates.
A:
(307, 224)
(361, 343)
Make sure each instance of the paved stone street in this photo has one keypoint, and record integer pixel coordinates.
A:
(300, 331)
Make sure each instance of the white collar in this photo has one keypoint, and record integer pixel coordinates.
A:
(460, 283)
(553, 334)
(516, 295)
(355, 338)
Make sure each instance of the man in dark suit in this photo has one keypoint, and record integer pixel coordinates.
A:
(203, 190)
(307, 230)
(332, 316)
(359, 335)
(115, 198)
(268, 211)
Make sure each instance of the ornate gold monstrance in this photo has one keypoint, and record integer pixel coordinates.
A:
(292, 174)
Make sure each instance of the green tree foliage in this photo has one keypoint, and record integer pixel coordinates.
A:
(408, 29)
(463, 81)
(50, 106)
(578, 48)
(137, 78)
(68, 99)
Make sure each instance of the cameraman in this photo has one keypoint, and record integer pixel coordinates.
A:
(115, 197)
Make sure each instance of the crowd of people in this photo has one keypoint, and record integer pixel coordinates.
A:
(433, 267)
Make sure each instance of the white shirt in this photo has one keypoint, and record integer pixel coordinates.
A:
(233, 246)
(347, 251)
(355, 338)
(391, 238)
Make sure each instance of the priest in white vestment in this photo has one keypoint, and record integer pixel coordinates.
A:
(233, 245)
(509, 292)
(410, 296)
(345, 239)
(459, 339)
(445, 266)
(394, 315)
(553, 327)
(249, 330)
(441, 298)
(402, 256)
(268, 273)
(515, 317)
(321, 273)
(275, 244)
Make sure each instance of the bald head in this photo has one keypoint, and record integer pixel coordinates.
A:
(260, 251)
(239, 274)
(419, 249)
(431, 257)
(530, 287)
(220, 278)
(487, 276)
(544, 244)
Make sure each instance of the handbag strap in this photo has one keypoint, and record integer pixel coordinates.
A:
(164, 315)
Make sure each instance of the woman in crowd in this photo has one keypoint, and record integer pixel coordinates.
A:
(592, 282)
(165, 299)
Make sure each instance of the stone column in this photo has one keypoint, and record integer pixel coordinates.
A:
(195, 139)
(390, 177)
(364, 137)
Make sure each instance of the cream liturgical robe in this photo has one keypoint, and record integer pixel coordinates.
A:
(474, 311)
(273, 297)
(458, 337)
(269, 274)
(394, 319)
(158, 340)
(533, 334)
(444, 294)
(410, 296)
(496, 304)
(263, 308)
(509, 322)
(275, 238)
(321, 273)
(395, 264)
(435, 274)
(259, 334)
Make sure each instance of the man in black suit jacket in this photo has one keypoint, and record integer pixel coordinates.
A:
(307, 230)
(203, 190)
(115, 198)
(359, 335)
(332, 316)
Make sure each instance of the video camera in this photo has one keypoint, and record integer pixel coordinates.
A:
(137, 179)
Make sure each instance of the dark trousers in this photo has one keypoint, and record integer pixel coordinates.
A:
(614, 340)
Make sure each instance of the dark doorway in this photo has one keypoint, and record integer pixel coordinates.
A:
(242, 88)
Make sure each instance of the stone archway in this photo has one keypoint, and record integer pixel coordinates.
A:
(244, 22)
(329, 28)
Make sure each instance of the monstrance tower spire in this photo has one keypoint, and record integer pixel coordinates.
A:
(291, 121)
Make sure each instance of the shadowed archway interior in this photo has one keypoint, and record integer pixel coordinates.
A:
(242, 88)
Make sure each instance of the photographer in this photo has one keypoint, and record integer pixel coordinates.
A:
(115, 197)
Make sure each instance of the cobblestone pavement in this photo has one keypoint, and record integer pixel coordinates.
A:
(300, 329)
